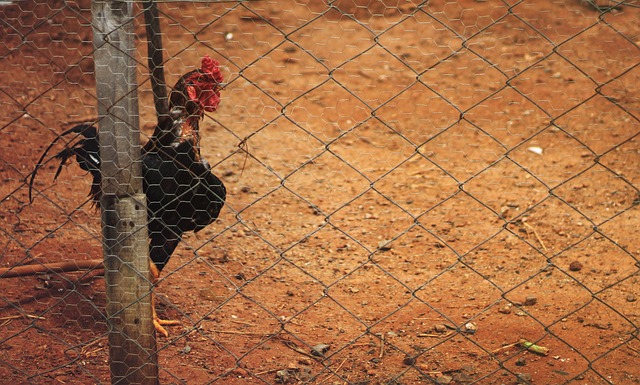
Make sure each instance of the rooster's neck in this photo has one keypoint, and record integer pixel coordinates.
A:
(190, 133)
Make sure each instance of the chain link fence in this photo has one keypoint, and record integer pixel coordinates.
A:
(436, 192)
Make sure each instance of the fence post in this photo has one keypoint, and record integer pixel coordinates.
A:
(132, 345)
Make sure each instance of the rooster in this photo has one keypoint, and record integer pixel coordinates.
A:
(182, 193)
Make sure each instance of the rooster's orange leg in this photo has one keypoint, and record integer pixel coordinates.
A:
(157, 322)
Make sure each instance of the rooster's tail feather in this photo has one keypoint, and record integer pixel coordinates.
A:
(87, 153)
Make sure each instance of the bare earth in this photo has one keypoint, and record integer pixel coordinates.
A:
(418, 189)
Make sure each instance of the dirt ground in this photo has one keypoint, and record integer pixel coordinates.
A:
(412, 190)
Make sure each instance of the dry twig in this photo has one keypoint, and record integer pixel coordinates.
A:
(59, 267)
(12, 317)
(434, 335)
(536, 234)
(241, 333)
(504, 347)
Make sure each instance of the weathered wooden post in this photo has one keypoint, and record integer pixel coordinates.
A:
(132, 345)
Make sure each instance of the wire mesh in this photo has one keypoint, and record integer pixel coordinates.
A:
(416, 192)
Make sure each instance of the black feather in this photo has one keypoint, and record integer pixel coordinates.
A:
(182, 193)
(81, 149)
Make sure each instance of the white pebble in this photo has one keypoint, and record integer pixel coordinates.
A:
(537, 150)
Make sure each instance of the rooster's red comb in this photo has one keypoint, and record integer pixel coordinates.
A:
(212, 67)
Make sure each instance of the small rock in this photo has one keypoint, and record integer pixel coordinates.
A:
(524, 378)
(440, 328)
(505, 309)
(535, 150)
(408, 360)
(631, 297)
(521, 361)
(530, 301)
(444, 379)
(384, 245)
(575, 266)
(319, 350)
(471, 328)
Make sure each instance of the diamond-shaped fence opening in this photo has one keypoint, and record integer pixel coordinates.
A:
(417, 192)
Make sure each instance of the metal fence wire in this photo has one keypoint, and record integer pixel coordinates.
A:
(418, 192)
